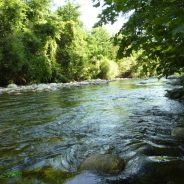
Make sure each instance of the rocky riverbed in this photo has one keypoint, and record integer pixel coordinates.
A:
(83, 134)
(14, 89)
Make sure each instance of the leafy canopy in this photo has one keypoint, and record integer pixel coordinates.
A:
(156, 27)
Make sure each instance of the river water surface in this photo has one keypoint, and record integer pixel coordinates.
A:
(45, 136)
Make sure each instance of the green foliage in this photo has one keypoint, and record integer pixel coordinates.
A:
(101, 51)
(108, 69)
(13, 58)
(39, 69)
(130, 67)
(100, 44)
(69, 12)
(78, 55)
(39, 45)
(37, 10)
(155, 27)
(93, 69)
(71, 53)
(28, 44)
(12, 15)
(10, 174)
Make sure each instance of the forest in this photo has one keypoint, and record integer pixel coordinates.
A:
(41, 45)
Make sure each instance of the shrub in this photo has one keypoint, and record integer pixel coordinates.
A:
(108, 69)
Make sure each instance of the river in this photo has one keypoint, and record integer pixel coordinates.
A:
(49, 133)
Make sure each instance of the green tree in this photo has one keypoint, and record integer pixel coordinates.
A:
(101, 53)
(72, 45)
(39, 45)
(108, 69)
(37, 10)
(156, 27)
(69, 12)
(12, 53)
(28, 43)
(100, 44)
(43, 29)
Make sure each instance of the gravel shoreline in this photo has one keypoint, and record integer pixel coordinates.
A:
(14, 89)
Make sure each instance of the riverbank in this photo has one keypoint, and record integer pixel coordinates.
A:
(176, 93)
(15, 89)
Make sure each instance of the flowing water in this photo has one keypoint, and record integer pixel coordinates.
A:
(45, 136)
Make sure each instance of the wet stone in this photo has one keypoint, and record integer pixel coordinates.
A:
(12, 86)
(48, 175)
(177, 93)
(178, 132)
(107, 164)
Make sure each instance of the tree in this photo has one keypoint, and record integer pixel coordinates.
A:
(39, 45)
(69, 12)
(28, 42)
(101, 53)
(12, 53)
(100, 44)
(156, 27)
(72, 45)
(37, 10)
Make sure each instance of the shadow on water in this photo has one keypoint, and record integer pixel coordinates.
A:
(46, 135)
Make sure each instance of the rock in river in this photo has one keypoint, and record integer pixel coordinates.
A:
(178, 132)
(107, 164)
(12, 86)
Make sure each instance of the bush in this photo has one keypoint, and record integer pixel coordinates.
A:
(39, 69)
(108, 69)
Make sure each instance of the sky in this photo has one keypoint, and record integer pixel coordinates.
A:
(89, 15)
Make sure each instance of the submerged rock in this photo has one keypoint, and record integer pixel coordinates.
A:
(48, 175)
(178, 132)
(177, 93)
(107, 164)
